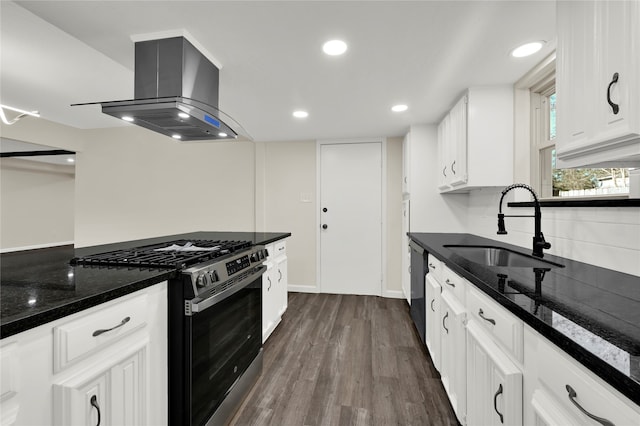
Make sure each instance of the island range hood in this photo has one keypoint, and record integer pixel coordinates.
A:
(176, 93)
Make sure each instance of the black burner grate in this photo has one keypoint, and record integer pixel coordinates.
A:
(150, 256)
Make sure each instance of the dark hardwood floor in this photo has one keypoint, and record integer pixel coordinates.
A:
(346, 360)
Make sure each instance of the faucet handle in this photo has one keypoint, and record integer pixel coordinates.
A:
(501, 228)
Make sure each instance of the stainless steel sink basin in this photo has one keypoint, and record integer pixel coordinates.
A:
(498, 256)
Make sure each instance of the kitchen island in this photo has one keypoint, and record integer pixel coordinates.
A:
(39, 286)
(85, 344)
(588, 316)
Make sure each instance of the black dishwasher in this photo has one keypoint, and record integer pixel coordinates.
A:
(419, 268)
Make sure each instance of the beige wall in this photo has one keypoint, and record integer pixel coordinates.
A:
(36, 204)
(290, 204)
(132, 183)
(286, 198)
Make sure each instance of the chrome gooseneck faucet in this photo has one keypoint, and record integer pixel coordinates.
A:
(539, 242)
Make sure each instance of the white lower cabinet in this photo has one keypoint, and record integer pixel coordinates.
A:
(432, 309)
(566, 393)
(53, 375)
(494, 382)
(274, 288)
(496, 370)
(112, 392)
(453, 352)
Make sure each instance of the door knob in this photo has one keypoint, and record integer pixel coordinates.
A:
(324, 226)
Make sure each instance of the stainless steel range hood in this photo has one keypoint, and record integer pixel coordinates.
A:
(176, 93)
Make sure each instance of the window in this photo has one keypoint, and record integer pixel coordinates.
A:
(562, 183)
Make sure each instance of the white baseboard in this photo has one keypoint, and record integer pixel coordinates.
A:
(393, 294)
(389, 294)
(36, 246)
(303, 288)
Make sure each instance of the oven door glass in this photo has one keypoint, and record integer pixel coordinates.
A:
(225, 339)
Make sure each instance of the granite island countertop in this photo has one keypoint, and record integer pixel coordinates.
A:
(39, 286)
(591, 313)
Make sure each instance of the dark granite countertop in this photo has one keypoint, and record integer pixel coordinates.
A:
(39, 286)
(592, 313)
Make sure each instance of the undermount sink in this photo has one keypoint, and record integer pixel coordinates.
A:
(498, 256)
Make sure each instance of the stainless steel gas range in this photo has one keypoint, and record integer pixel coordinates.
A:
(215, 322)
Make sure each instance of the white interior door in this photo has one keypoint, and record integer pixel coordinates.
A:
(351, 218)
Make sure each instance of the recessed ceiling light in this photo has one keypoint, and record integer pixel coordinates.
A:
(334, 47)
(183, 115)
(300, 114)
(127, 118)
(176, 136)
(399, 108)
(527, 49)
(71, 160)
(222, 134)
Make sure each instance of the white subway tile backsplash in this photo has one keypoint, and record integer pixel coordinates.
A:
(602, 236)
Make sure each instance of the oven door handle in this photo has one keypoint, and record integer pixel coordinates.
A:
(194, 306)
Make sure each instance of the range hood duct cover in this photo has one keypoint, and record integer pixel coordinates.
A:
(176, 93)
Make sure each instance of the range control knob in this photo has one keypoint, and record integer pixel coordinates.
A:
(214, 276)
(255, 257)
(201, 281)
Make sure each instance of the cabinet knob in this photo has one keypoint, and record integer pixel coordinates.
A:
(324, 209)
(325, 226)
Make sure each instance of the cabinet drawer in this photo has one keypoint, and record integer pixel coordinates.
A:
(435, 267)
(454, 283)
(502, 325)
(558, 372)
(89, 333)
(280, 248)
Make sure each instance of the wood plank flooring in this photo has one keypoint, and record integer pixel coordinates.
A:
(346, 360)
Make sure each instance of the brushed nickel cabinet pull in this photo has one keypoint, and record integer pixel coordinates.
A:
(450, 283)
(443, 325)
(572, 397)
(481, 313)
(104, 330)
(432, 300)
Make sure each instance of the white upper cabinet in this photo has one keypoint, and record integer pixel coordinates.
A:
(475, 141)
(598, 83)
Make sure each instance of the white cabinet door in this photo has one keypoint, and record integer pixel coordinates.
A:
(281, 282)
(406, 253)
(452, 351)
(494, 382)
(576, 45)
(598, 83)
(444, 153)
(458, 144)
(107, 393)
(406, 164)
(432, 309)
(269, 301)
(617, 36)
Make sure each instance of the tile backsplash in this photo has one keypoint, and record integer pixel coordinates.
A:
(608, 237)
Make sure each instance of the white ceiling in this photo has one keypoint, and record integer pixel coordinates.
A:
(421, 53)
